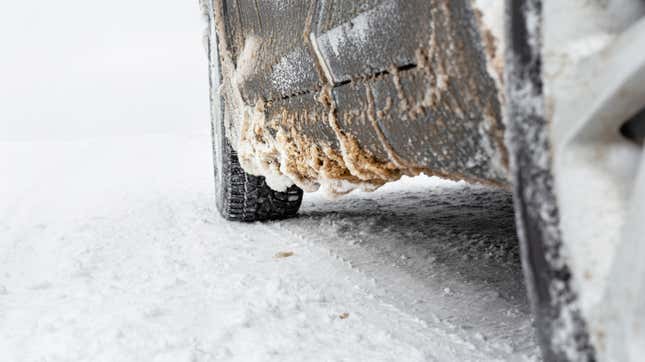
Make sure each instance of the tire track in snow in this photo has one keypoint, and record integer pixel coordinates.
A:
(432, 336)
(436, 343)
(474, 309)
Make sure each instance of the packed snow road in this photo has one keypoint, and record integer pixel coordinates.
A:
(111, 250)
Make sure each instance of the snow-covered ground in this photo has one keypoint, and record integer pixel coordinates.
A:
(111, 250)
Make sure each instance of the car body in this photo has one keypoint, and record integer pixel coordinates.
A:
(541, 97)
(325, 97)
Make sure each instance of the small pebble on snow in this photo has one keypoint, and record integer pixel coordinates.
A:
(283, 254)
(344, 315)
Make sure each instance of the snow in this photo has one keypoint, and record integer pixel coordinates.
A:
(76, 69)
(360, 29)
(111, 250)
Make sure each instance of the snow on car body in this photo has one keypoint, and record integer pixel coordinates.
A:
(330, 96)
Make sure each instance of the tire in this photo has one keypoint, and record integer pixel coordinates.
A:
(240, 196)
(247, 198)
(561, 331)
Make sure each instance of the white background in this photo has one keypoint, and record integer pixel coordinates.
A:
(73, 69)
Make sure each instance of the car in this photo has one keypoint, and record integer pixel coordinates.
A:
(542, 97)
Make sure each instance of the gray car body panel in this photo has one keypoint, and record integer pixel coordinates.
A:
(378, 89)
